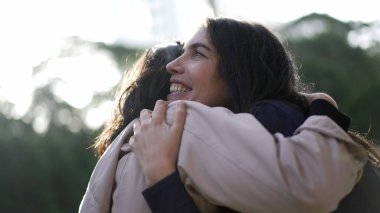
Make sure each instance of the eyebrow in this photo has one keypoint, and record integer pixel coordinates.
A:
(197, 45)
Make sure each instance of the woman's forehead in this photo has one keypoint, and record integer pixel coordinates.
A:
(200, 39)
(201, 36)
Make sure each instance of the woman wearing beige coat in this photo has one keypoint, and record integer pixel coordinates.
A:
(216, 143)
(218, 171)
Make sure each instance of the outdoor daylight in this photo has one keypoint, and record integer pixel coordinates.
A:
(64, 100)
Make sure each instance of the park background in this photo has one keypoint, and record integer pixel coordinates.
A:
(61, 61)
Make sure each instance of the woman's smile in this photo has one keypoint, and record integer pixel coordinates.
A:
(177, 87)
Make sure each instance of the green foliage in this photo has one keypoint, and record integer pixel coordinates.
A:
(123, 56)
(43, 173)
(350, 74)
(49, 172)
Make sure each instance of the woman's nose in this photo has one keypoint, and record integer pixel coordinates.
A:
(174, 67)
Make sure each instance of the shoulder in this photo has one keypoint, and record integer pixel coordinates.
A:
(200, 112)
(206, 122)
(278, 116)
(276, 106)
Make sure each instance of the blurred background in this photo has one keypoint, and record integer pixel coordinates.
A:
(60, 62)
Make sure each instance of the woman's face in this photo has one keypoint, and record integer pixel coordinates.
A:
(194, 73)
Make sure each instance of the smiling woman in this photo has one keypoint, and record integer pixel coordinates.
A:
(213, 150)
(195, 76)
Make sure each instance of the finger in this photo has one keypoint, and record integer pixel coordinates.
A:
(145, 116)
(131, 141)
(159, 112)
(179, 117)
(136, 126)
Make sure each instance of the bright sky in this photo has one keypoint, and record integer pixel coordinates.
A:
(33, 31)
(283, 11)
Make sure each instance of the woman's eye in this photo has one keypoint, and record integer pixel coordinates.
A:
(197, 53)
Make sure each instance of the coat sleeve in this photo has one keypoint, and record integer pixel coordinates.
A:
(169, 195)
(97, 198)
(231, 160)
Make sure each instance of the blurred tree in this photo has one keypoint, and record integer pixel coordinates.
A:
(124, 56)
(48, 170)
(43, 173)
(328, 60)
(213, 5)
(50, 108)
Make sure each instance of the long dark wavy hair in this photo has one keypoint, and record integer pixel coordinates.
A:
(254, 64)
(142, 86)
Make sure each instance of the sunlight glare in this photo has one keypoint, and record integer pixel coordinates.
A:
(35, 31)
(272, 11)
(41, 122)
(135, 22)
(80, 77)
(15, 83)
(97, 116)
(365, 37)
